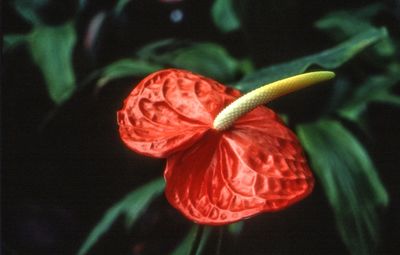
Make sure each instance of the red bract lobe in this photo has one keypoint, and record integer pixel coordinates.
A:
(213, 177)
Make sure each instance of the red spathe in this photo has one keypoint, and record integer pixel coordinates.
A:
(213, 177)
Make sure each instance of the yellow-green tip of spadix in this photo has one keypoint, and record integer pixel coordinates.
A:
(265, 94)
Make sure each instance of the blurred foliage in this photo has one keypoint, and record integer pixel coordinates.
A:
(236, 228)
(328, 59)
(224, 16)
(120, 5)
(126, 68)
(208, 59)
(28, 10)
(131, 206)
(340, 161)
(376, 88)
(51, 49)
(350, 181)
(342, 24)
(11, 41)
(188, 244)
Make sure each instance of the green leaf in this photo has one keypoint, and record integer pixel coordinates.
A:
(328, 59)
(27, 10)
(203, 240)
(375, 88)
(51, 49)
(137, 202)
(132, 207)
(208, 59)
(119, 7)
(350, 181)
(187, 244)
(224, 16)
(153, 50)
(346, 23)
(13, 40)
(236, 228)
(126, 68)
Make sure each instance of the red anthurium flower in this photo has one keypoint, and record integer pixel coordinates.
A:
(219, 169)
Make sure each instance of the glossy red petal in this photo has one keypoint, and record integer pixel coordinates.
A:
(256, 166)
(170, 110)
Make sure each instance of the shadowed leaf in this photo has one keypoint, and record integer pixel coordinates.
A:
(236, 228)
(346, 23)
(120, 5)
(186, 245)
(328, 59)
(126, 68)
(224, 15)
(375, 88)
(13, 40)
(51, 49)
(350, 181)
(349, 22)
(208, 59)
(153, 50)
(27, 9)
(132, 207)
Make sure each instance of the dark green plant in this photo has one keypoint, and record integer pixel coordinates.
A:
(340, 161)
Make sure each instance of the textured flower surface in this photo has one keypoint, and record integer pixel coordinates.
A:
(213, 177)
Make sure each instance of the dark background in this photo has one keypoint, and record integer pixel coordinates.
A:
(62, 169)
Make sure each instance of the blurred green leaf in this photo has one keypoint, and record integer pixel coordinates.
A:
(350, 181)
(349, 22)
(224, 16)
(187, 244)
(132, 207)
(120, 5)
(51, 49)
(208, 59)
(236, 228)
(369, 11)
(126, 68)
(27, 9)
(203, 240)
(346, 23)
(153, 50)
(13, 40)
(82, 4)
(375, 88)
(328, 59)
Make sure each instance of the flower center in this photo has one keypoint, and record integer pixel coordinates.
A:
(265, 94)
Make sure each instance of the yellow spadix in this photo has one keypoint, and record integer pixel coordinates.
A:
(265, 94)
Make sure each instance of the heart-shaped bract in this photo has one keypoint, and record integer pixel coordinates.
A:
(213, 177)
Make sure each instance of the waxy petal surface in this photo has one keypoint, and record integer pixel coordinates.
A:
(170, 110)
(255, 166)
(213, 177)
